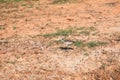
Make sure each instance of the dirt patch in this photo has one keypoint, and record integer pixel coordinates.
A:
(79, 40)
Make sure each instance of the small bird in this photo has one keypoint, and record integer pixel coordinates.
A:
(67, 44)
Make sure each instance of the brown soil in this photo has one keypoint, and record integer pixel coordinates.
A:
(27, 55)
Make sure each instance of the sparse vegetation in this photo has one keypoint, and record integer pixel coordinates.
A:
(90, 44)
(2, 1)
(61, 32)
(60, 1)
(86, 30)
(79, 43)
(70, 31)
(95, 43)
(59, 40)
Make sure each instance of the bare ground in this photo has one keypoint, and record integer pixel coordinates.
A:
(27, 54)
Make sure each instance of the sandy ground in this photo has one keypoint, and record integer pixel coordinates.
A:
(25, 54)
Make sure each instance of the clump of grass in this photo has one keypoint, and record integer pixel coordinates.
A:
(79, 43)
(95, 43)
(60, 1)
(85, 30)
(65, 32)
(61, 32)
(90, 44)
